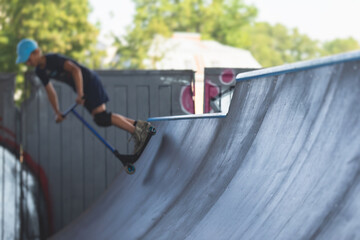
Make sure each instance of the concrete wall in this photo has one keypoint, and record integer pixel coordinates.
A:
(79, 168)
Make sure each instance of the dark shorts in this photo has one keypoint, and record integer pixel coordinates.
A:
(95, 94)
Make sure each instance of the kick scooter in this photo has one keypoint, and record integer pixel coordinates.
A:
(126, 159)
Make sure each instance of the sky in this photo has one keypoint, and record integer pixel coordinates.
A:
(319, 19)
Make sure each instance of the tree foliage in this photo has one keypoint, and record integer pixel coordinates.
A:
(275, 44)
(58, 26)
(340, 45)
(214, 19)
(230, 22)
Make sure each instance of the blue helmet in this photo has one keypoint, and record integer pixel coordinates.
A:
(24, 48)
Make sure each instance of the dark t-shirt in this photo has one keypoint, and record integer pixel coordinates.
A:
(54, 69)
(94, 92)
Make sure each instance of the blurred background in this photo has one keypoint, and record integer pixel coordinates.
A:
(155, 58)
(142, 34)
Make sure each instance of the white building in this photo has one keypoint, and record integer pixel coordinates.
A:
(188, 51)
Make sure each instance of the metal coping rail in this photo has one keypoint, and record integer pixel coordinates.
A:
(300, 66)
(188, 117)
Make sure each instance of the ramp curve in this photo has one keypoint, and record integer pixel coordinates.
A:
(283, 164)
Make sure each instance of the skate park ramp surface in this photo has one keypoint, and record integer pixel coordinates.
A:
(283, 164)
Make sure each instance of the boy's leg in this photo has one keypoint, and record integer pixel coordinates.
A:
(122, 122)
(142, 132)
(138, 130)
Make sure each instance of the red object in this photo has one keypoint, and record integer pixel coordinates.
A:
(211, 91)
(227, 77)
(36, 169)
(186, 100)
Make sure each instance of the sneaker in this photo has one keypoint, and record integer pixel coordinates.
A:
(140, 134)
(142, 124)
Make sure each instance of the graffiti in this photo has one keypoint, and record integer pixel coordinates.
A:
(219, 86)
(186, 100)
(227, 77)
(211, 91)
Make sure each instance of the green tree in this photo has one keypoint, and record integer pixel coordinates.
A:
(339, 46)
(230, 22)
(221, 20)
(58, 26)
(275, 44)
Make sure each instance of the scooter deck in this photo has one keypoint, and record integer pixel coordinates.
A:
(129, 159)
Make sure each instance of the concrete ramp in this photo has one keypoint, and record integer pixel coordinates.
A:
(283, 164)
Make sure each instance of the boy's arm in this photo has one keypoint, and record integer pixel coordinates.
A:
(51, 93)
(78, 78)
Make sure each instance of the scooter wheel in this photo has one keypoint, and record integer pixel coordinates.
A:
(130, 169)
(152, 130)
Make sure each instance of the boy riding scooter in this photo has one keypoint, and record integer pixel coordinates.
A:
(85, 82)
